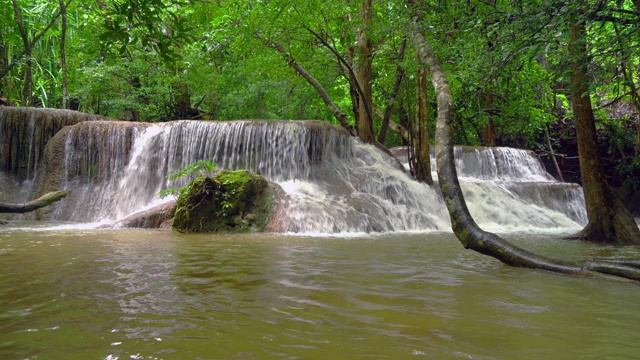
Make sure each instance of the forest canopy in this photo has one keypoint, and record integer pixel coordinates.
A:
(507, 62)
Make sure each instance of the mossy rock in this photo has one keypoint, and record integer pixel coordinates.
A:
(231, 201)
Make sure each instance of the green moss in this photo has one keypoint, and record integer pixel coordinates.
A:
(231, 201)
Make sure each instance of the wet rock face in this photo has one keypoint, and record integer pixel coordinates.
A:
(231, 201)
(88, 151)
(24, 132)
(85, 154)
(158, 217)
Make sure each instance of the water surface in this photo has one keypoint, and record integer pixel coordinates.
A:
(105, 294)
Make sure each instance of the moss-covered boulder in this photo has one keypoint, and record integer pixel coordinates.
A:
(231, 201)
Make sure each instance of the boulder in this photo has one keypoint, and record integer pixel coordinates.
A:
(231, 201)
(157, 217)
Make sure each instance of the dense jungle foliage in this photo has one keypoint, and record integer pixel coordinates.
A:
(508, 63)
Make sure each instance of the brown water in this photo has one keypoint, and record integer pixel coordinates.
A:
(90, 294)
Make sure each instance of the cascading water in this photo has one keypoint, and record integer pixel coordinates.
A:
(334, 183)
(499, 178)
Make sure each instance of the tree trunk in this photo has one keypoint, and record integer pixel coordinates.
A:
(420, 159)
(489, 137)
(356, 92)
(63, 54)
(353, 85)
(382, 135)
(364, 122)
(609, 220)
(28, 77)
(552, 153)
(32, 205)
(182, 101)
(464, 227)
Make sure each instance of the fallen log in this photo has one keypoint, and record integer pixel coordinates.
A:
(32, 205)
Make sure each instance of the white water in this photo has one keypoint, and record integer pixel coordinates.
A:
(334, 183)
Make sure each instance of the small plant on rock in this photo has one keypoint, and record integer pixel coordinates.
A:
(193, 171)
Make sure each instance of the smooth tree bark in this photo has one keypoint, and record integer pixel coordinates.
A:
(32, 205)
(609, 220)
(464, 227)
(400, 130)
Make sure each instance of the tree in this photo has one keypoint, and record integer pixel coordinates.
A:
(32, 205)
(464, 227)
(420, 158)
(27, 93)
(35, 61)
(609, 220)
(400, 72)
(63, 54)
(364, 121)
(339, 115)
(290, 36)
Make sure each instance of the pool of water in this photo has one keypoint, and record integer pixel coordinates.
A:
(106, 294)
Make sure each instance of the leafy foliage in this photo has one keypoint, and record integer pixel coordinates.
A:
(158, 60)
(198, 169)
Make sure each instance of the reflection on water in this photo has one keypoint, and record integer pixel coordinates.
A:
(159, 295)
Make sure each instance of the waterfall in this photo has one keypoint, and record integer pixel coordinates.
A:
(96, 154)
(333, 182)
(518, 177)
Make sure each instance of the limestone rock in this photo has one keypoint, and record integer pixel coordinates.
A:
(25, 131)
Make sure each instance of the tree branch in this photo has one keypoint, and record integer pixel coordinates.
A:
(382, 136)
(339, 115)
(400, 130)
(32, 205)
(349, 69)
